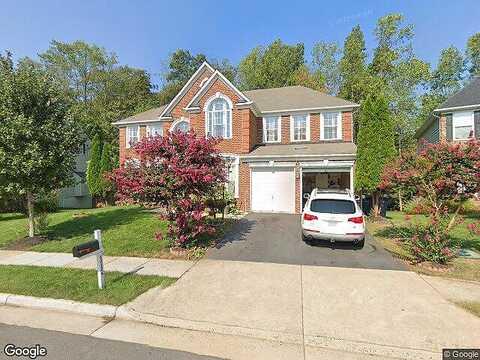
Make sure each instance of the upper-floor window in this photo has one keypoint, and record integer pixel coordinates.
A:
(300, 127)
(271, 129)
(331, 126)
(219, 118)
(462, 125)
(155, 129)
(182, 125)
(133, 135)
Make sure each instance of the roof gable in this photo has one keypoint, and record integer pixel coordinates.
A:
(205, 66)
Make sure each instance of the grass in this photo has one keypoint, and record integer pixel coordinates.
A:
(126, 231)
(387, 235)
(76, 284)
(471, 306)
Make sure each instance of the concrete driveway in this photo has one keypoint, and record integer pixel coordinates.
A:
(276, 238)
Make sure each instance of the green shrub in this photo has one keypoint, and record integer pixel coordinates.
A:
(417, 205)
(41, 222)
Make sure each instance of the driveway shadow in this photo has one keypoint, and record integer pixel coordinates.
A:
(239, 232)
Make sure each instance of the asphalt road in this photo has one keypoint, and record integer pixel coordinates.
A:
(276, 238)
(63, 346)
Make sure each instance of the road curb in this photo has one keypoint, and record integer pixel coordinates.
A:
(77, 307)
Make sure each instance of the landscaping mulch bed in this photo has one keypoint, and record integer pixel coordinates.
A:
(26, 243)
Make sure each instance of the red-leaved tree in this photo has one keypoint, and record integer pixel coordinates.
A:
(442, 173)
(178, 172)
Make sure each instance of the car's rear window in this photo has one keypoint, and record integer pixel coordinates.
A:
(332, 206)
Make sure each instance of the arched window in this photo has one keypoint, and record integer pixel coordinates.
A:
(182, 125)
(219, 117)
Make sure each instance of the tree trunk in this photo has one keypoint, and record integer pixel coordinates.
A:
(376, 204)
(31, 223)
(452, 220)
(400, 200)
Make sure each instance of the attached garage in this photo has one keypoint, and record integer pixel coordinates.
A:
(273, 189)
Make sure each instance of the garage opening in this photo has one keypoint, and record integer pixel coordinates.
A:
(323, 180)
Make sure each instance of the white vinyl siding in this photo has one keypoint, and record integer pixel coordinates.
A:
(300, 127)
(331, 126)
(463, 126)
(132, 135)
(271, 129)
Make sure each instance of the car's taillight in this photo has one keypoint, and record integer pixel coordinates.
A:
(356, 220)
(309, 217)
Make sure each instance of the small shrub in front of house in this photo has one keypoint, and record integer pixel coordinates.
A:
(442, 174)
(178, 172)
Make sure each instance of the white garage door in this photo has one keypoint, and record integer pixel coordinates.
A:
(273, 190)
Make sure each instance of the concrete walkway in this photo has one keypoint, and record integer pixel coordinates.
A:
(385, 313)
(141, 266)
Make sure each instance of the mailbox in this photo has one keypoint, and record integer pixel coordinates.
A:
(86, 248)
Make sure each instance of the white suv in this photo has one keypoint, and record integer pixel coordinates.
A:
(333, 215)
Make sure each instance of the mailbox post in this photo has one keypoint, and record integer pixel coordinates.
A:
(100, 271)
(92, 248)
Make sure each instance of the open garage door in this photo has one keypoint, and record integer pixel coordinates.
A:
(273, 190)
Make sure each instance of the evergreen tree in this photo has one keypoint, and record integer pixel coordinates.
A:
(376, 146)
(94, 167)
(106, 166)
(473, 54)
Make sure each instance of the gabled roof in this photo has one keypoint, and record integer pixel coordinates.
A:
(469, 96)
(293, 98)
(216, 75)
(185, 88)
(146, 116)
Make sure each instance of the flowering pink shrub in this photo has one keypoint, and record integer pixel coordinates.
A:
(178, 172)
(441, 173)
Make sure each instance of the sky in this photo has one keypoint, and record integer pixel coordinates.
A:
(144, 32)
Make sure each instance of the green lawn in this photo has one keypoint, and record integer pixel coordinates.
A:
(127, 231)
(76, 284)
(459, 268)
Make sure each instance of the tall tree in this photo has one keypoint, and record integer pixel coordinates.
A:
(376, 147)
(273, 66)
(38, 136)
(352, 67)
(107, 164)
(445, 80)
(398, 74)
(94, 168)
(326, 59)
(307, 77)
(182, 65)
(473, 54)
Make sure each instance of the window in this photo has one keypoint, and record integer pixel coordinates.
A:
(133, 135)
(181, 125)
(300, 127)
(271, 126)
(331, 126)
(462, 125)
(155, 129)
(219, 118)
(328, 206)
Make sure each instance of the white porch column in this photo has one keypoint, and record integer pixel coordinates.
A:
(351, 179)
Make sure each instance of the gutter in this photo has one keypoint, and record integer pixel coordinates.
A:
(465, 107)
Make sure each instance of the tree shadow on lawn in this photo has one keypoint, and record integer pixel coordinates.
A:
(8, 217)
(104, 220)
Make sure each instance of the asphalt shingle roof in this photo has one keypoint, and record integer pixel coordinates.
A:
(151, 114)
(469, 95)
(338, 148)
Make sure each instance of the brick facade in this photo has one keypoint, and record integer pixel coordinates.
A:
(247, 131)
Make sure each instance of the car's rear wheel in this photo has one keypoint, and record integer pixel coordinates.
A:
(360, 244)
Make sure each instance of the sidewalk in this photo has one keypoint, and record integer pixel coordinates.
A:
(141, 266)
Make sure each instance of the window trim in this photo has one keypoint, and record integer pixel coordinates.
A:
(127, 135)
(454, 125)
(149, 127)
(279, 129)
(219, 95)
(339, 127)
(178, 122)
(292, 127)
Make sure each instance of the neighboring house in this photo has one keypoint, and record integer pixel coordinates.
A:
(281, 142)
(456, 119)
(77, 195)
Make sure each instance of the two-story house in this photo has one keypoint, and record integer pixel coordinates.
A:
(280, 143)
(456, 119)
